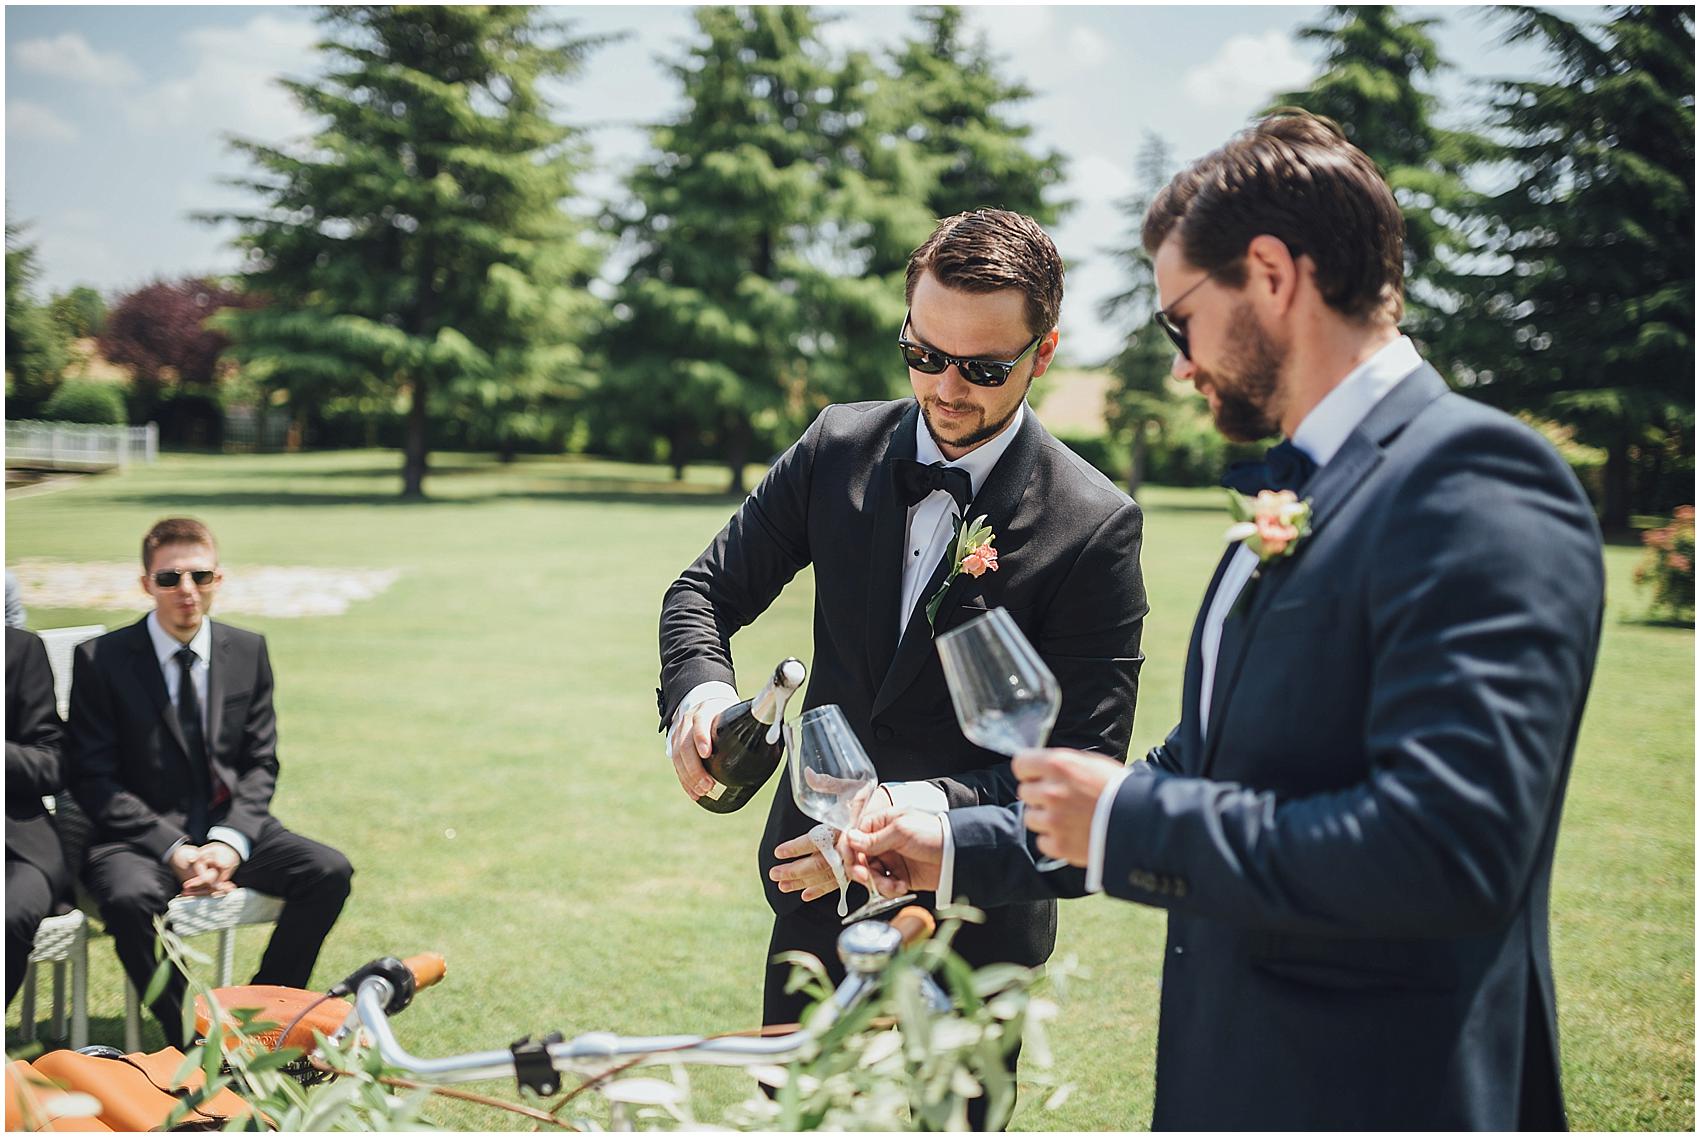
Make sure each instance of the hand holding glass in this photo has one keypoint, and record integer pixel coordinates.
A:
(1005, 697)
(832, 779)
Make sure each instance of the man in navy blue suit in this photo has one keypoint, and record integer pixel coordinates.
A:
(1352, 827)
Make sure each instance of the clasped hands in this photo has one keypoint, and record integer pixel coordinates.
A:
(205, 870)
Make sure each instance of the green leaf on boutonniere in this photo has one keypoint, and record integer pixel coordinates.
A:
(1239, 506)
(969, 537)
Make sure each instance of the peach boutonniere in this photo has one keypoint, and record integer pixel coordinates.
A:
(1271, 525)
(973, 555)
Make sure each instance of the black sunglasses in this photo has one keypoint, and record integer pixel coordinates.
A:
(980, 372)
(170, 578)
(1173, 329)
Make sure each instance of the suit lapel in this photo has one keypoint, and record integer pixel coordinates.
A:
(885, 550)
(1330, 488)
(999, 499)
(147, 672)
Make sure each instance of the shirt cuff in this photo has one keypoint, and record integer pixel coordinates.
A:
(1101, 831)
(947, 862)
(165, 857)
(701, 693)
(917, 795)
(232, 838)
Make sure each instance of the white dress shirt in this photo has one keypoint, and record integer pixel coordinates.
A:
(165, 649)
(1321, 434)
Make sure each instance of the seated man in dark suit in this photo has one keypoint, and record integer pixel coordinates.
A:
(172, 752)
(35, 864)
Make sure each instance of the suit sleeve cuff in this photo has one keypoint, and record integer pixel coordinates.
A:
(232, 838)
(1101, 831)
(918, 795)
(947, 861)
(701, 693)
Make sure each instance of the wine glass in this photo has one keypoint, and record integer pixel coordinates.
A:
(832, 779)
(1005, 697)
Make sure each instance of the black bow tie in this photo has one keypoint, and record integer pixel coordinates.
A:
(915, 481)
(1283, 467)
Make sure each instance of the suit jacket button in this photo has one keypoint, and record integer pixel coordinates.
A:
(884, 733)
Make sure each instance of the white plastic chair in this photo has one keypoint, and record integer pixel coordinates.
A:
(61, 644)
(192, 916)
(60, 940)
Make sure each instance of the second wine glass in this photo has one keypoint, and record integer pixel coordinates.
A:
(1006, 699)
(832, 779)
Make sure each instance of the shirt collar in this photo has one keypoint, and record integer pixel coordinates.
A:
(1326, 428)
(978, 461)
(165, 648)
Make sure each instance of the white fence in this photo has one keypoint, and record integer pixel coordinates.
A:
(72, 446)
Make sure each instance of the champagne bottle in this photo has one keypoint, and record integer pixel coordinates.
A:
(747, 743)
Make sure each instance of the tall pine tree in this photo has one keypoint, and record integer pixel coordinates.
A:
(1376, 69)
(1139, 400)
(955, 102)
(1584, 310)
(418, 245)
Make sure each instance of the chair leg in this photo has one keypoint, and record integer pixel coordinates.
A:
(80, 993)
(226, 956)
(132, 1018)
(26, 1008)
(59, 994)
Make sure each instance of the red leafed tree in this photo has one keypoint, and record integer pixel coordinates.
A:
(160, 327)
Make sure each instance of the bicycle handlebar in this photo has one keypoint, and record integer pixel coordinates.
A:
(866, 948)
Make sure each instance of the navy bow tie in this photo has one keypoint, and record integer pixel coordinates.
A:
(915, 481)
(1283, 467)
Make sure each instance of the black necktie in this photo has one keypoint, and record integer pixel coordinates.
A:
(1283, 467)
(915, 481)
(189, 719)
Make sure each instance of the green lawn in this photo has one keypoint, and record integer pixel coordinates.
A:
(481, 740)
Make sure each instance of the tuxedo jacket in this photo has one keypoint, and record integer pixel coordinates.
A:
(33, 759)
(1068, 548)
(127, 763)
(1356, 855)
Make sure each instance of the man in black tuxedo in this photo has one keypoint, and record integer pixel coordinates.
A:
(1353, 825)
(35, 863)
(172, 753)
(871, 495)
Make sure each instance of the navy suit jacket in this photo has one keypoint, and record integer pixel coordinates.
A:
(1068, 545)
(1357, 855)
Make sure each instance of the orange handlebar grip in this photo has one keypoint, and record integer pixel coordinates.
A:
(915, 923)
(427, 967)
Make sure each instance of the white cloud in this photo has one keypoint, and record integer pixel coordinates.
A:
(69, 56)
(25, 119)
(1085, 49)
(230, 81)
(1247, 70)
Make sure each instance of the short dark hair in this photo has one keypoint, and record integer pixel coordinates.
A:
(1293, 176)
(988, 250)
(175, 531)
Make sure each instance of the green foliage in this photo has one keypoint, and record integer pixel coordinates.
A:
(1140, 402)
(954, 101)
(419, 246)
(1668, 567)
(79, 312)
(1377, 68)
(85, 401)
(1582, 309)
(37, 348)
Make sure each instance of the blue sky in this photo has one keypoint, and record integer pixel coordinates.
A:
(115, 116)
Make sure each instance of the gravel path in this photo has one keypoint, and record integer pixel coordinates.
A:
(260, 590)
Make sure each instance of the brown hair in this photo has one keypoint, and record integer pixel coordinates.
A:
(1293, 176)
(988, 250)
(175, 531)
